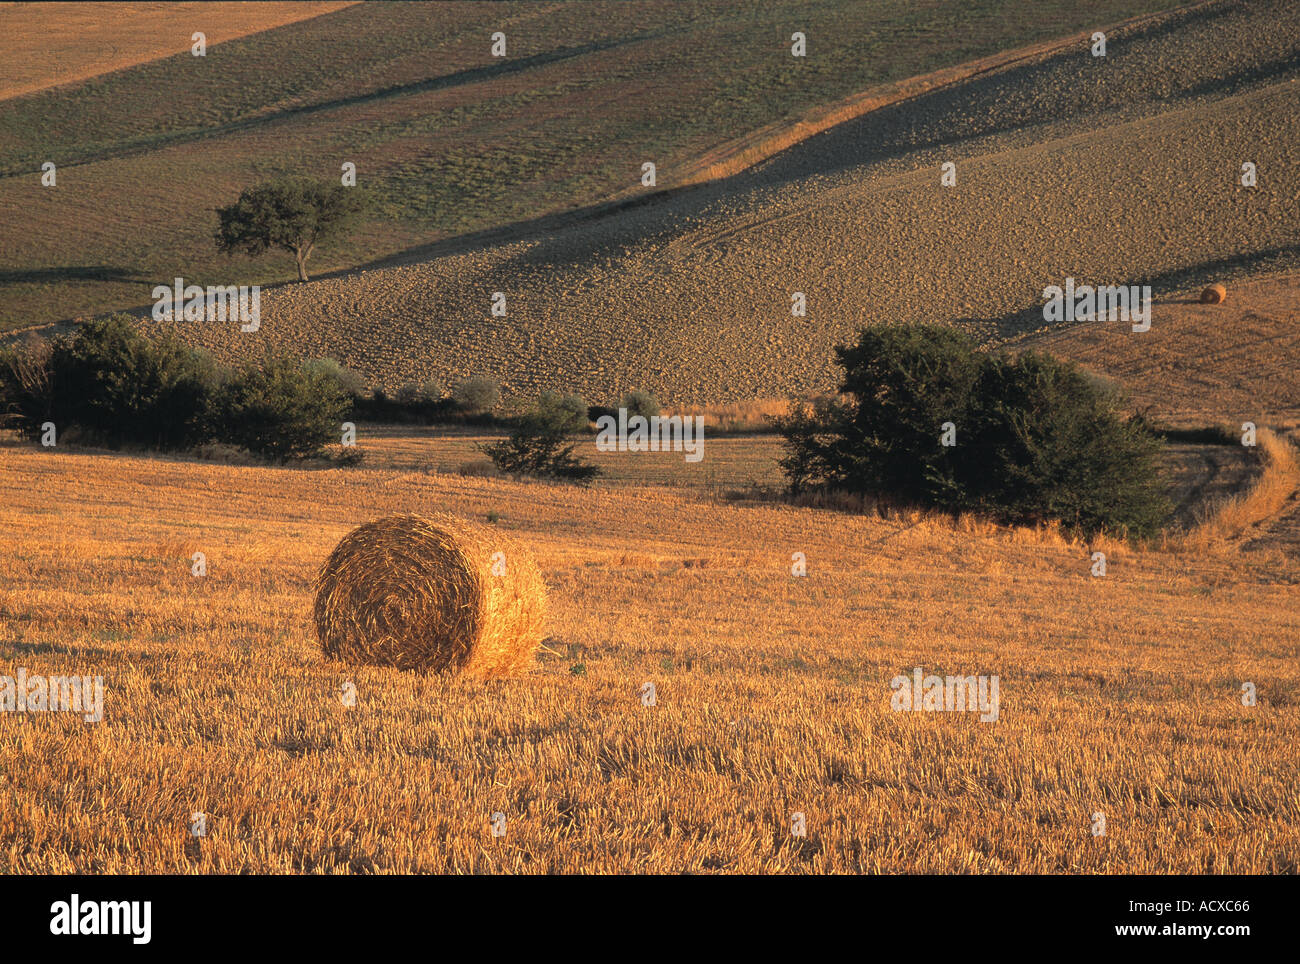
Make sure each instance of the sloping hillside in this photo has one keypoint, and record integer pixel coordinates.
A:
(1115, 170)
(1202, 363)
(452, 139)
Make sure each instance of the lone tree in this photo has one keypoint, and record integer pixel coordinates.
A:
(292, 213)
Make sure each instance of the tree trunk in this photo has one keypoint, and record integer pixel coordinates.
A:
(301, 255)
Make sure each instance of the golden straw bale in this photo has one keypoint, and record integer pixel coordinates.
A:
(1214, 295)
(430, 593)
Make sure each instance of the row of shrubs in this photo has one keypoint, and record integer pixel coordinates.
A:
(116, 387)
(1030, 438)
(922, 418)
(475, 401)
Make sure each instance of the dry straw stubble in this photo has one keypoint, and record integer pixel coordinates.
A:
(435, 593)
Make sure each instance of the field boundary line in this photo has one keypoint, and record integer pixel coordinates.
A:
(750, 150)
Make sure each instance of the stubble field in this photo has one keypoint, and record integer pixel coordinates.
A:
(1119, 695)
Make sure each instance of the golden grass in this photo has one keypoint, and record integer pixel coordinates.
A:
(1118, 694)
(731, 462)
(430, 594)
(751, 415)
(1232, 517)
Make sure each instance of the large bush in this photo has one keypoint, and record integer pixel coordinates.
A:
(906, 381)
(638, 402)
(350, 382)
(1048, 442)
(568, 411)
(116, 385)
(1036, 438)
(280, 409)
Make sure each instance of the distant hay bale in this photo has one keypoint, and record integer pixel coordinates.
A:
(433, 594)
(1214, 295)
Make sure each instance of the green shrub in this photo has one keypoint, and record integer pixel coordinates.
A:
(1036, 438)
(540, 446)
(641, 403)
(423, 393)
(281, 409)
(114, 386)
(905, 382)
(119, 387)
(475, 396)
(350, 382)
(808, 441)
(569, 411)
(1045, 441)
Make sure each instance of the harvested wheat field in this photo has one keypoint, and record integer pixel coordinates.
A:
(541, 528)
(47, 46)
(1119, 695)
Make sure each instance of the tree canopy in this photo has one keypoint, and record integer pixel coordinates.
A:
(294, 214)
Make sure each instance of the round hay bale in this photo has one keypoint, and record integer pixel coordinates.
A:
(433, 594)
(1214, 295)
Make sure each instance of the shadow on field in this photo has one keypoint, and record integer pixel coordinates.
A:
(78, 272)
(972, 109)
(995, 104)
